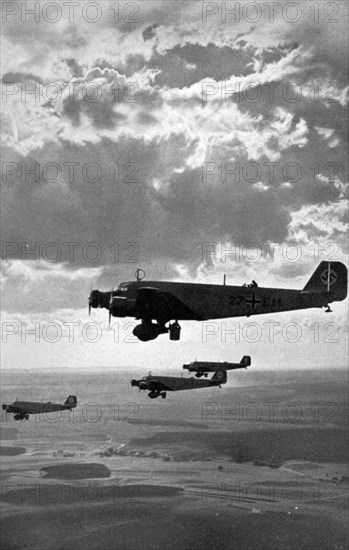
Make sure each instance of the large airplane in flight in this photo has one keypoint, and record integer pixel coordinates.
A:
(159, 385)
(164, 302)
(22, 409)
(202, 368)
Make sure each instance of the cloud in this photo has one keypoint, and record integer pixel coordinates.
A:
(146, 183)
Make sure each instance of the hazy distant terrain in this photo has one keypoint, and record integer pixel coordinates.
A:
(262, 463)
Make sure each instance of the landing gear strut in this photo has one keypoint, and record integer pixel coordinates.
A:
(328, 309)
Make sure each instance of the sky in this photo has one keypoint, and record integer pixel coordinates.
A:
(190, 139)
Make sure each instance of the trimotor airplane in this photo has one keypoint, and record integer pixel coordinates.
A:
(202, 368)
(165, 301)
(22, 409)
(159, 385)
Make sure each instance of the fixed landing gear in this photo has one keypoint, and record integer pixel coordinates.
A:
(21, 416)
(175, 331)
(328, 309)
(148, 330)
(155, 394)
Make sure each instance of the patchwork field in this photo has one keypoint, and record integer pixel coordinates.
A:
(211, 469)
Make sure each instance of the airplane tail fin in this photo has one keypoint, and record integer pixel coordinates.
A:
(329, 277)
(245, 361)
(70, 402)
(220, 376)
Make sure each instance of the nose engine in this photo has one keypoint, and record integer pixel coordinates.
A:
(94, 300)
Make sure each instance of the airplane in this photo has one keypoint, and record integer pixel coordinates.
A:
(202, 368)
(166, 301)
(159, 385)
(22, 409)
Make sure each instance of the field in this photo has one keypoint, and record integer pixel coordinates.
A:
(260, 463)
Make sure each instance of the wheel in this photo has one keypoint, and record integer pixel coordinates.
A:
(163, 395)
(175, 331)
(153, 395)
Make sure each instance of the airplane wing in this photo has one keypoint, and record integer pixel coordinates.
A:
(153, 303)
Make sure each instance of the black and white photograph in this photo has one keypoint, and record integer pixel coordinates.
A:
(174, 257)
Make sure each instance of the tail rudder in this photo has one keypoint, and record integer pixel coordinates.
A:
(70, 402)
(220, 376)
(245, 361)
(329, 277)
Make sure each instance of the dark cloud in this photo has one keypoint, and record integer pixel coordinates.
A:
(182, 66)
(149, 32)
(169, 211)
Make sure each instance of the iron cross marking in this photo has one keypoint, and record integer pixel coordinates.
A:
(253, 301)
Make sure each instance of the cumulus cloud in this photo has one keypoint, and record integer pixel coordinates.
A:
(131, 150)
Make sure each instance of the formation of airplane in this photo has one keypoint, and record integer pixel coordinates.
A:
(160, 385)
(22, 409)
(157, 303)
(202, 368)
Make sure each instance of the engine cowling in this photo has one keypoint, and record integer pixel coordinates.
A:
(95, 299)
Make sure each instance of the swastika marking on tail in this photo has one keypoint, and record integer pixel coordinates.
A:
(324, 277)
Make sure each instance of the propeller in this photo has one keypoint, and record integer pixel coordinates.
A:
(90, 302)
(111, 303)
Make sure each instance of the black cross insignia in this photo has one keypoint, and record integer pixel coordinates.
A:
(253, 301)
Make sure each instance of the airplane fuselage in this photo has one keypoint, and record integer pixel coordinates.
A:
(34, 408)
(176, 383)
(159, 385)
(163, 301)
(22, 409)
(213, 301)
